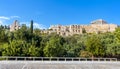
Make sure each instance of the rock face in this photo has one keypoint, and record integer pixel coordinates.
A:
(59, 65)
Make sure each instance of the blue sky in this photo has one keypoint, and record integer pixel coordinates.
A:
(64, 12)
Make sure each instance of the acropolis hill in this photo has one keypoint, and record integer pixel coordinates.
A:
(96, 26)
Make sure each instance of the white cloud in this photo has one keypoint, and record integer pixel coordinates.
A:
(4, 21)
(40, 26)
(1, 22)
(4, 18)
(35, 25)
(8, 18)
(14, 17)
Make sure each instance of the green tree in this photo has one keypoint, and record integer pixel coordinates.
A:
(113, 50)
(83, 30)
(37, 31)
(117, 34)
(94, 46)
(23, 34)
(20, 48)
(12, 49)
(54, 47)
(73, 45)
(30, 50)
(3, 36)
(85, 54)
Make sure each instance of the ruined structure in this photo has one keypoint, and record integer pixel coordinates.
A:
(97, 26)
(15, 26)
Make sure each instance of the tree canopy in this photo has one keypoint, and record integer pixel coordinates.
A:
(30, 42)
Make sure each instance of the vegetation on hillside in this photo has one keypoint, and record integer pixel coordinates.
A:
(30, 42)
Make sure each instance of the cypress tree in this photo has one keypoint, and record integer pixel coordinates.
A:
(31, 26)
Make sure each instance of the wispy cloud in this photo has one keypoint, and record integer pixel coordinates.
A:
(8, 18)
(40, 26)
(1, 22)
(35, 25)
(14, 16)
(4, 18)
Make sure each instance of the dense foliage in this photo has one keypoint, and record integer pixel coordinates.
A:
(30, 42)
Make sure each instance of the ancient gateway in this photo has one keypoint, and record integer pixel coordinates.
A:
(96, 26)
